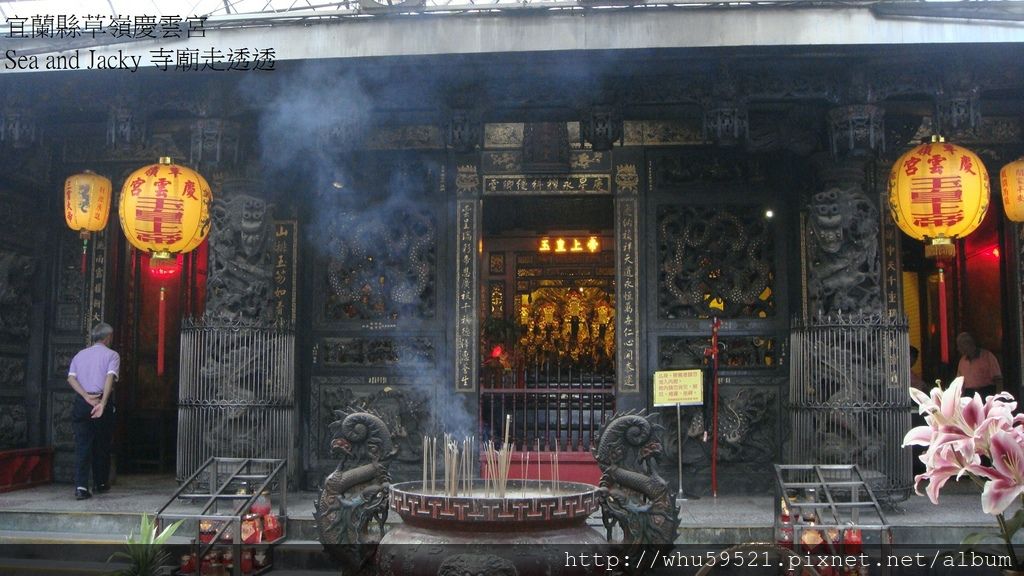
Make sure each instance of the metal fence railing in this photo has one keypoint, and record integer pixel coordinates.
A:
(547, 407)
(848, 398)
(236, 393)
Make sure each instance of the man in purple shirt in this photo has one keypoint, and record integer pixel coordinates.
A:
(92, 375)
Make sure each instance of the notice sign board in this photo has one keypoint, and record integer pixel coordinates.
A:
(679, 388)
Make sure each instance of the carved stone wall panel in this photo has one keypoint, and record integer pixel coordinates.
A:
(714, 261)
(405, 408)
(13, 426)
(62, 436)
(12, 374)
(16, 272)
(70, 287)
(239, 286)
(503, 136)
(380, 266)
(586, 160)
(415, 137)
(382, 352)
(18, 215)
(503, 162)
(61, 354)
(749, 439)
(735, 352)
(843, 258)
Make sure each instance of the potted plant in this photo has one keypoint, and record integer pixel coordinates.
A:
(980, 439)
(145, 553)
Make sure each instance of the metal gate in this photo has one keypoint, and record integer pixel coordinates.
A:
(236, 393)
(546, 407)
(849, 399)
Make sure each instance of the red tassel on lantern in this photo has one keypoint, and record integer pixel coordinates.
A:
(161, 324)
(943, 328)
(85, 250)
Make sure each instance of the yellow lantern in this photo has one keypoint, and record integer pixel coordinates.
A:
(938, 192)
(86, 202)
(1011, 180)
(165, 210)
(86, 205)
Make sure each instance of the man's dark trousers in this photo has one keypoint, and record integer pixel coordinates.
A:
(92, 443)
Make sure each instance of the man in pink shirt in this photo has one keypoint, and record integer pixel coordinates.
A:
(91, 375)
(978, 366)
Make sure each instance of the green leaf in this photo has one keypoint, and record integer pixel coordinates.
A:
(145, 553)
(975, 538)
(1014, 523)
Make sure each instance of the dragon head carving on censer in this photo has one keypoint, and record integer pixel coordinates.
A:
(353, 504)
(633, 495)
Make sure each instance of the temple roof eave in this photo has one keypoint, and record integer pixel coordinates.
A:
(574, 30)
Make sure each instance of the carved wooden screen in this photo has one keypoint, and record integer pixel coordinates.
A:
(377, 338)
(714, 253)
(19, 264)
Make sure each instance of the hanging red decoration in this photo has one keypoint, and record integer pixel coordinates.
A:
(165, 212)
(939, 192)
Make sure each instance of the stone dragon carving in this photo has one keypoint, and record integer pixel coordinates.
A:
(240, 280)
(632, 493)
(844, 273)
(381, 264)
(693, 248)
(355, 496)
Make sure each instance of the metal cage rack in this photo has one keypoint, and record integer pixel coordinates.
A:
(236, 396)
(848, 398)
(219, 494)
(822, 502)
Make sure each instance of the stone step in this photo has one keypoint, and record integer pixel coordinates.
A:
(116, 526)
(36, 567)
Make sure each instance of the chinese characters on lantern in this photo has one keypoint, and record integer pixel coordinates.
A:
(938, 190)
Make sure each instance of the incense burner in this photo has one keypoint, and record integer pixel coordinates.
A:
(525, 532)
(527, 505)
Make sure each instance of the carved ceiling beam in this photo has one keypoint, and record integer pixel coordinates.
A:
(126, 126)
(464, 130)
(19, 127)
(601, 126)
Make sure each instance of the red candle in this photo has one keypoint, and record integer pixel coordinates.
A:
(271, 528)
(246, 561)
(852, 542)
(188, 563)
(262, 504)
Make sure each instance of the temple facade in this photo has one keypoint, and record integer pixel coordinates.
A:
(509, 225)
